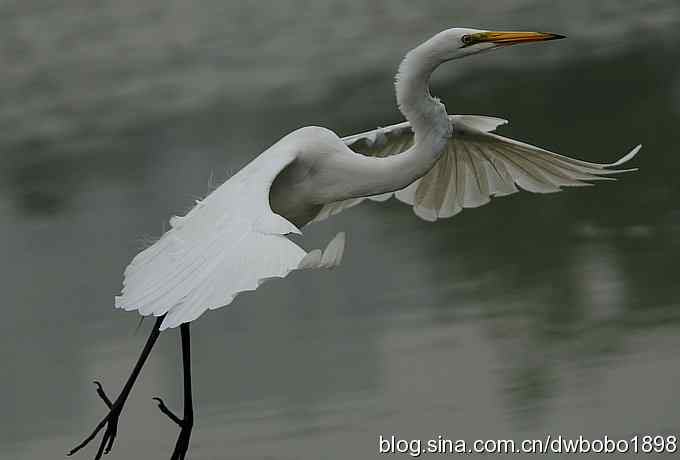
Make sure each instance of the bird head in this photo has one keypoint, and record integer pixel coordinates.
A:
(457, 43)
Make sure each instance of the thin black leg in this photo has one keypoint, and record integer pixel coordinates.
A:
(116, 407)
(186, 423)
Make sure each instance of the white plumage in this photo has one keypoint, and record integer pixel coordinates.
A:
(475, 166)
(234, 240)
(228, 243)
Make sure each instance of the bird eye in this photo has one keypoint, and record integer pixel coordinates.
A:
(466, 39)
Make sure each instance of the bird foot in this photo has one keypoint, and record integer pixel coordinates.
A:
(186, 426)
(171, 415)
(110, 421)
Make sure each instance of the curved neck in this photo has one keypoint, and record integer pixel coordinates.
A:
(428, 119)
(426, 114)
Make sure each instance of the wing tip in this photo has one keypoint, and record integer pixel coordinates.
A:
(483, 123)
(311, 260)
(335, 250)
(329, 258)
(627, 157)
(427, 214)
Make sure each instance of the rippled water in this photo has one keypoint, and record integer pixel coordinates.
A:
(532, 315)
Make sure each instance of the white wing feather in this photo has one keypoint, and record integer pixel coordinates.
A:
(228, 243)
(232, 241)
(476, 166)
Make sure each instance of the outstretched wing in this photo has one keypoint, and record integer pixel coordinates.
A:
(228, 243)
(476, 165)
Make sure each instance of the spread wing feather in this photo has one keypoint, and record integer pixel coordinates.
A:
(476, 166)
(228, 243)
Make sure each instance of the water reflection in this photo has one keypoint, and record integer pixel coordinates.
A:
(533, 314)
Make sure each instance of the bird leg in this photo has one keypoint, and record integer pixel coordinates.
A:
(186, 423)
(110, 421)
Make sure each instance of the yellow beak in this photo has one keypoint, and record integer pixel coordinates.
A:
(511, 38)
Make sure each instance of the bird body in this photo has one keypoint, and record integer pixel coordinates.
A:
(235, 238)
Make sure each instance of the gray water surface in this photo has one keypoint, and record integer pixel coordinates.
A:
(533, 315)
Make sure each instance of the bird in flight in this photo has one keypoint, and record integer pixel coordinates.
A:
(236, 238)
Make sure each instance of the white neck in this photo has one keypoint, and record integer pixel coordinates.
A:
(429, 121)
(412, 84)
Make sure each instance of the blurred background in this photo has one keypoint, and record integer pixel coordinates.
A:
(531, 315)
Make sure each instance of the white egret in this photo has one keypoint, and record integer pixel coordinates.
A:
(235, 238)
